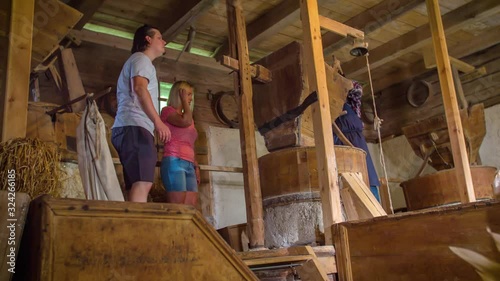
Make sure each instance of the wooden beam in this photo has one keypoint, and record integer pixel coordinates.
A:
(267, 25)
(323, 136)
(369, 21)
(258, 72)
(455, 130)
(362, 191)
(126, 44)
(88, 9)
(340, 28)
(430, 61)
(72, 83)
(420, 37)
(243, 86)
(182, 16)
(15, 76)
(481, 42)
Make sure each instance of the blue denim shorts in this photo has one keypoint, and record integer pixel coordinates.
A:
(178, 174)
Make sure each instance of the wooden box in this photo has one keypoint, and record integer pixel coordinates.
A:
(286, 91)
(415, 245)
(69, 239)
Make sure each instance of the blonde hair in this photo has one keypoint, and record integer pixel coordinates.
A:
(174, 98)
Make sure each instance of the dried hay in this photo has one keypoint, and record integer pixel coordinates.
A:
(35, 164)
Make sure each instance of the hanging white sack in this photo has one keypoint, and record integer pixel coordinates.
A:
(94, 159)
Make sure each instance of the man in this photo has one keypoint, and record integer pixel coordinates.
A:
(137, 115)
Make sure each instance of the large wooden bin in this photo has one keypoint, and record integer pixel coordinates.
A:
(286, 91)
(415, 246)
(69, 239)
(441, 188)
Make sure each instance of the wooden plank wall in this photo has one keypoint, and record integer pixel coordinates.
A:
(105, 66)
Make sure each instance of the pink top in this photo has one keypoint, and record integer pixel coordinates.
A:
(182, 140)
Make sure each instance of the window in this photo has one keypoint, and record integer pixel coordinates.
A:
(164, 93)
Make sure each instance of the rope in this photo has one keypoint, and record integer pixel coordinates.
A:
(377, 123)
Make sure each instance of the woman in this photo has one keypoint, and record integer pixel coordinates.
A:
(352, 127)
(179, 170)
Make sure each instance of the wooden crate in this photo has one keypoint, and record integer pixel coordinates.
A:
(433, 134)
(415, 245)
(69, 239)
(286, 91)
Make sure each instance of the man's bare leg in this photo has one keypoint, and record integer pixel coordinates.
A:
(139, 191)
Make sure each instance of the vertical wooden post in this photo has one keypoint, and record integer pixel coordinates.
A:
(16, 67)
(243, 85)
(323, 137)
(460, 159)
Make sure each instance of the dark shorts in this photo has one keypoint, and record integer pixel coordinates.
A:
(135, 146)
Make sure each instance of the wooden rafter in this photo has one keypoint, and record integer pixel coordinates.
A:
(126, 44)
(179, 18)
(420, 37)
(369, 21)
(418, 68)
(270, 23)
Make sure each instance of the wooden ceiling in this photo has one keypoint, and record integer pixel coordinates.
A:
(397, 31)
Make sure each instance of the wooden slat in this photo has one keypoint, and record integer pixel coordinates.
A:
(458, 87)
(17, 70)
(385, 197)
(430, 61)
(323, 136)
(243, 86)
(455, 130)
(311, 270)
(180, 17)
(342, 252)
(416, 39)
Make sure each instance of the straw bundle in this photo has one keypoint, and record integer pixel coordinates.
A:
(35, 164)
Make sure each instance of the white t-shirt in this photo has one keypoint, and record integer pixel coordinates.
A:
(130, 112)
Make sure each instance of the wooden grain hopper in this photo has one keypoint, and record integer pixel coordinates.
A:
(440, 188)
(67, 239)
(288, 89)
(431, 137)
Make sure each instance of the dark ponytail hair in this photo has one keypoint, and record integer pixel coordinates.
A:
(140, 43)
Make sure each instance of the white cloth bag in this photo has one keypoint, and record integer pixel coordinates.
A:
(94, 159)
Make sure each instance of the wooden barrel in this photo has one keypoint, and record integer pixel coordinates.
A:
(290, 192)
(440, 188)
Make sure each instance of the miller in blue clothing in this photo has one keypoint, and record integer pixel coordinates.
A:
(352, 127)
